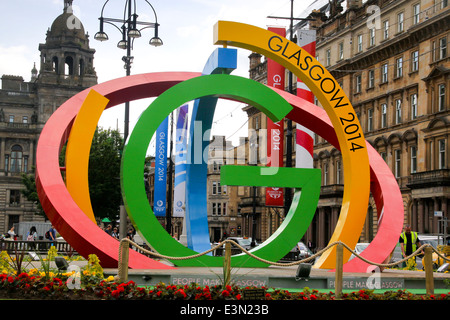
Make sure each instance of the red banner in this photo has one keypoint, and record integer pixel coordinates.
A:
(275, 131)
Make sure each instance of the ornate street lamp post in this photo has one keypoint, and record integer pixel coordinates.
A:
(130, 29)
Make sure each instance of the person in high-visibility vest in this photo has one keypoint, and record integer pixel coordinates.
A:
(409, 241)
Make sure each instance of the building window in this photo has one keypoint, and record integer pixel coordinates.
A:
(399, 67)
(397, 154)
(14, 197)
(11, 119)
(360, 43)
(25, 164)
(398, 111)
(444, 4)
(383, 115)
(214, 208)
(383, 155)
(341, 51)
(443, 48)
(386, 29)
(441, 102)
(358, 83)
(371, 78)
(384, 73)
(16, 159)
(442, 154)
(328, 56)
(400, 21)
(415, 61)
(413, 106)
(216, 188)
(372, 37)
(413, 159)
(6, 162)
(370, 120)
(338, 172)
(416, 13)
(224, 209)
(24, 119)
(325, 174)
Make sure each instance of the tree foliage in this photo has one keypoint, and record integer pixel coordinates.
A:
(30, 192)
(104, 174)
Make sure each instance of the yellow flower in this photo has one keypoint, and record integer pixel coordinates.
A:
(110, 278)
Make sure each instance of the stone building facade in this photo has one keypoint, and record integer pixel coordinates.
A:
(392, 60)
(65, 68)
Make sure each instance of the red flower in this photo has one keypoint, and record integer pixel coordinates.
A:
(225, 293)
(181, 292)
(313, 297)
(115, 293)
(10, 279)
(208, 296)
(238, 297)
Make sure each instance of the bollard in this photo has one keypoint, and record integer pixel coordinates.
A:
(123, 261)
(227, 264)
(339, 270)
(429, 281)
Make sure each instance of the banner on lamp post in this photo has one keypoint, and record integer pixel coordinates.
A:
(160, 192)
(304, 138)
(179, 199)
(275, 131)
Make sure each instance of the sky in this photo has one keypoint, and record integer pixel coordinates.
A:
(186, 28)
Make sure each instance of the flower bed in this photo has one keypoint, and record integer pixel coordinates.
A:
(90, 284)
(24, 286)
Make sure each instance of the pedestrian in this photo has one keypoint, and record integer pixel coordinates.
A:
(130, 236)
(108, 229)
(12, 234)
(115, 233)
(31, 236)
(409, 242)
(51, 235)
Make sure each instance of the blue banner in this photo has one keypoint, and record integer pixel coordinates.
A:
(179, 200)
(160, 195)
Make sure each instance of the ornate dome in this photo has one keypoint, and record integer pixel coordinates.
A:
(67, 24)
(67, 29)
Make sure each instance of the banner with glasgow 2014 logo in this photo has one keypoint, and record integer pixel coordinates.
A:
(180, 162)
(160, 195)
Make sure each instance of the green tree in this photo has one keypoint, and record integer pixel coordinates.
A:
(30, 192)
(104, 173)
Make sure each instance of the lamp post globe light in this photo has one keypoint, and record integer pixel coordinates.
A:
(130, 28)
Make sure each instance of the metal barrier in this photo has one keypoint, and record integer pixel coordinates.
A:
(38, 246)
(426, 248)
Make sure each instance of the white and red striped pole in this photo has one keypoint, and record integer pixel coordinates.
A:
(304, 137)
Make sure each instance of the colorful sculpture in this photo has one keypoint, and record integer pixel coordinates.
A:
(339, 125)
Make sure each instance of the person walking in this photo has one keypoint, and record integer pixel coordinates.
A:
(31, 236)
(409, 242)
